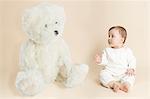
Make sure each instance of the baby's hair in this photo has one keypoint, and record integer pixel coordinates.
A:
(121, 30)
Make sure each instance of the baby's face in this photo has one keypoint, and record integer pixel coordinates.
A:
(115, 39)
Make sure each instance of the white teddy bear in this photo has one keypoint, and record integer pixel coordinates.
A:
(45, 54)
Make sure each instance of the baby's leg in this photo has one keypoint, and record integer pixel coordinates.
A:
(125, 87)
(108, 80)
(114, 85)
(127, 82)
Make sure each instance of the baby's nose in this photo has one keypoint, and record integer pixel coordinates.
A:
(109, 41)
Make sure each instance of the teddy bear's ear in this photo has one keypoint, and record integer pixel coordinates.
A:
(26, 19)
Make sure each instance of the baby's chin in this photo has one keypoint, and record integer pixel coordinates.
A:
(112, 46)
(115, 46)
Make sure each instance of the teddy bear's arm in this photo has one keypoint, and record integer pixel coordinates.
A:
(66, 57)
(75, 73)
(27, 56)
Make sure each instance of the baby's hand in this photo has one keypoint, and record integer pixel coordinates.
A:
(130, 72)
(98, 58)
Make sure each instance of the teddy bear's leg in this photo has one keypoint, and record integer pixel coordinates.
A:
(29, 82)
(77, 75)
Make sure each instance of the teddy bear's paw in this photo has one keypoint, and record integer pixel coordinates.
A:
(77, 75)
(29, 83)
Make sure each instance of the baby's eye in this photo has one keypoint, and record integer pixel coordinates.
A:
(45, 25)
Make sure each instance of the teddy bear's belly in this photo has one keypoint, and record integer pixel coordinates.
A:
(47, 59)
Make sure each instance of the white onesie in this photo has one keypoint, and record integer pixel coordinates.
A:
(116, 62)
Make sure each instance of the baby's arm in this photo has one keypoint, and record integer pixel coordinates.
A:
(130, 72)
(132, 63)
(101, 58)
(98, 58)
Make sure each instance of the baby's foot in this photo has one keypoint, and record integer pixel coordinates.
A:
(124, 87)
(116, 87)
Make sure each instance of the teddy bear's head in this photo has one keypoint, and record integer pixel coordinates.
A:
(44, 22)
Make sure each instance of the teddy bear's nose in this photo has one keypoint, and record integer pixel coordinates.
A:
(56, 32)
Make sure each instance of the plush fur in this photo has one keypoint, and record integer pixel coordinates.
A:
(45, 53)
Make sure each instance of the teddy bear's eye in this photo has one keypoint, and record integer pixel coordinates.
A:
(46, 25)
(56, 22)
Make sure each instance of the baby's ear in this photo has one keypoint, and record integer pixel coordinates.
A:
(122, 40)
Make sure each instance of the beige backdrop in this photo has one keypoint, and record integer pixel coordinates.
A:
(86, 34)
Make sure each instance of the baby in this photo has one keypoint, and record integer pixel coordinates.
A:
(120, 64)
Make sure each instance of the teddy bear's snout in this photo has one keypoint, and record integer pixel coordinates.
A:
(56, 32)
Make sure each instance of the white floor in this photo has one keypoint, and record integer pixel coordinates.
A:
(89, 89)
